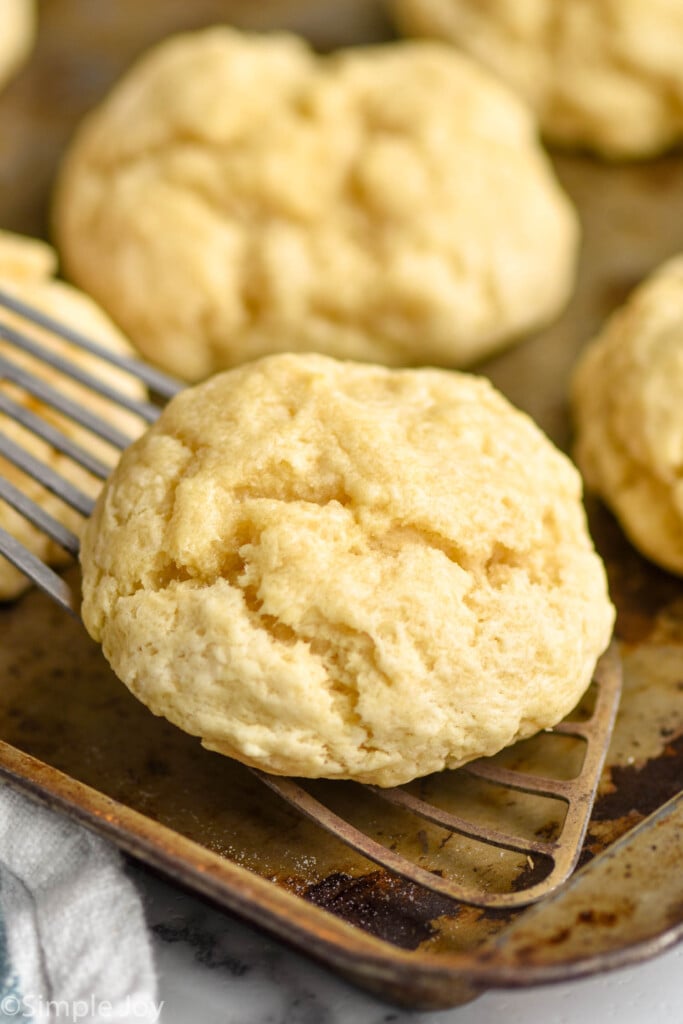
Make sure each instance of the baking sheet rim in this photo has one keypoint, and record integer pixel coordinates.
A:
(365, 959)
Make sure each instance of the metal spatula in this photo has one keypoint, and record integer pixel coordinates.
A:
(544, 834)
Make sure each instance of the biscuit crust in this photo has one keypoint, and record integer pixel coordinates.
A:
(334, 569)
(17, 29)
(628, 408)
(238, 195)
(27, 269)
(605, 75)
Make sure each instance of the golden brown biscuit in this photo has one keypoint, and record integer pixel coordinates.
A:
(237, 195)
(17, 29)
(602, 74)
(628, 407)
(26, 271)
(335, 569)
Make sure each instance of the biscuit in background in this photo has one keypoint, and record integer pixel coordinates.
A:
(605, 75)
(339, 570)
(27, 269)
(17, 29)
(237, 195)
(627, 396)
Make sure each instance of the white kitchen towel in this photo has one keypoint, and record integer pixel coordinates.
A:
(74, 945)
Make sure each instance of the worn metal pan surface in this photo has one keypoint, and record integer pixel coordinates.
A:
(75, 737)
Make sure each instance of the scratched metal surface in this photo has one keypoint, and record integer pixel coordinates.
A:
(60, 703)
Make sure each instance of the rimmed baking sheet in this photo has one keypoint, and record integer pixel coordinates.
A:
(73, 734)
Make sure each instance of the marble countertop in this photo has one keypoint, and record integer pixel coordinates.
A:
(216, 970)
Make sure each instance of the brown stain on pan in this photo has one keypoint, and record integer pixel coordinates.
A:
(384, 905)
(641, 789)
(635, 889)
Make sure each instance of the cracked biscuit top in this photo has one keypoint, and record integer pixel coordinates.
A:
(334, 569)
(238, 195)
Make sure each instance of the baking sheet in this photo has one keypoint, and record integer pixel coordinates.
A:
(206, 820)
